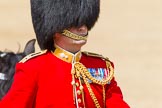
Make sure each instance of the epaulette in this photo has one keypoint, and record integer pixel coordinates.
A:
(32, 55)
(95, 55)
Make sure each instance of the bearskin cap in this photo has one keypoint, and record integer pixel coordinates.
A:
(52, 16)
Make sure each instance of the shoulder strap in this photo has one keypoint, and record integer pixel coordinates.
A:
(95, 55)
(32, 55)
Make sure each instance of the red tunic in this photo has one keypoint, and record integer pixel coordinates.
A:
(44, 81)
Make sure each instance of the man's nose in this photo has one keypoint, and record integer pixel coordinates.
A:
(83, 28)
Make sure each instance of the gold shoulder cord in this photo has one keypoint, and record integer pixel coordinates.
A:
(81, 70)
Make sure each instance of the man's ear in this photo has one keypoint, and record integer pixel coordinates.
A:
(29, 47)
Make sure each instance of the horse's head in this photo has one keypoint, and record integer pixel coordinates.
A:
(8, 61)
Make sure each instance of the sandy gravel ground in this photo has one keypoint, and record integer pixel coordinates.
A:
(128, 32)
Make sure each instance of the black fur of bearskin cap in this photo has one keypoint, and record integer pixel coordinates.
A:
(51, 16)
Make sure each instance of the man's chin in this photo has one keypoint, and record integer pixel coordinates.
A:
(81, 42)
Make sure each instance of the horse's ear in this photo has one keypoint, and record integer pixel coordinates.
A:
(29, 47)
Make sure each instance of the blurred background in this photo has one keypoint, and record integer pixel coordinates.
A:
(129, 32)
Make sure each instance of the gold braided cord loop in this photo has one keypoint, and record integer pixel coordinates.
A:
(81, 70)
(73, 36)
(91, 92)
(77, 69)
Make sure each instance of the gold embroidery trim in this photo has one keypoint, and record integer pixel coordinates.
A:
(32, 55)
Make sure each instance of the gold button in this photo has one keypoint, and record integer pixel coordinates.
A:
(77, 84)
(66, 56)
(78, 92)
(81, 87)
(73, 83)
(79, 100)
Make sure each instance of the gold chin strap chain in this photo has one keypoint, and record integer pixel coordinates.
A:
(81, 70)
(74, 36)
